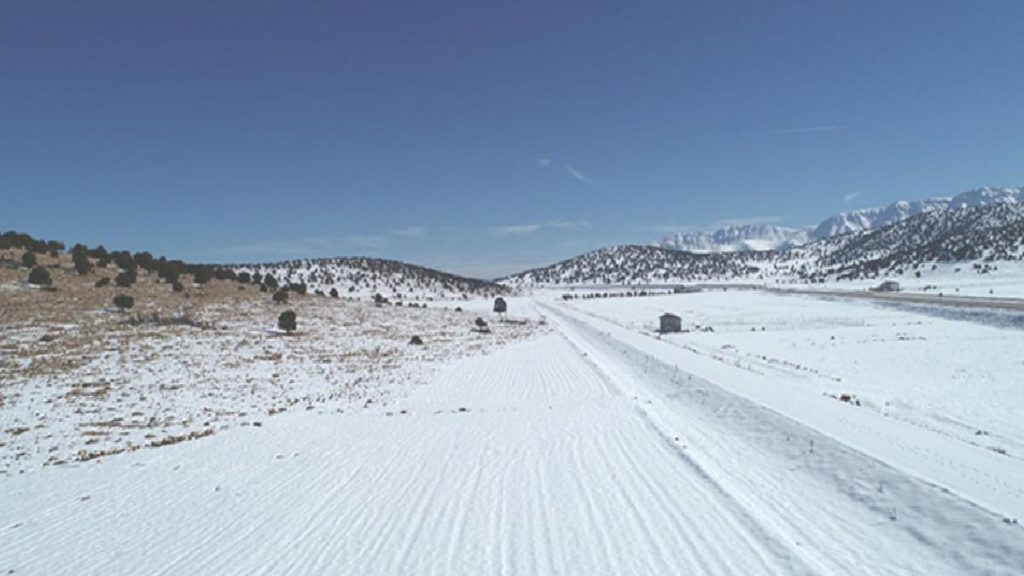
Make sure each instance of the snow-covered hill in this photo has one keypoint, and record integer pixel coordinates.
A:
(365, 277)
(770, 237)
(636, 264)
(983, 234)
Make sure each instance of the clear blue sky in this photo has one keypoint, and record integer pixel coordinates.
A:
(487, 137)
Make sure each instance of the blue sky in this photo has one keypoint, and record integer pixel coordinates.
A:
(488, 137)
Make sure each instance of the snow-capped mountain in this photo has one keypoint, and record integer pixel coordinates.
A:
(770, 237)
(989, 231)
(987, 195)
(742, 238)
(871, 218)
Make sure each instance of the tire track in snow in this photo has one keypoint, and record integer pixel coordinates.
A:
(836, 518)
(554, 468)
(777, 557)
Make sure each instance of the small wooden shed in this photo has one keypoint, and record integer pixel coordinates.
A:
(670, 323)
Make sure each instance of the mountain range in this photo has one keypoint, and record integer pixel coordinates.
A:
(754, 237)
(981, 226)
(983, 234)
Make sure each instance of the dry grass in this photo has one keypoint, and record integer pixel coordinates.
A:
(80, 381)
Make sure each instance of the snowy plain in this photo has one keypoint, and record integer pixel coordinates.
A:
(1003, 280)
(135, 387)
(950, 370)
(594, 447)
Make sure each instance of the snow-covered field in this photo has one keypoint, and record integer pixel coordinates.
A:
(922, 382)
(925, 365)
(1001, 280)
(68, 398)
(593, 447)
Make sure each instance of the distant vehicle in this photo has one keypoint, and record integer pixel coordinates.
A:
(887, 286)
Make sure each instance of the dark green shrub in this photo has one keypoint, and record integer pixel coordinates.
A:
(124, 260)
(126, 279)
(102, 282)
(40, 276)
(82, 264)
(144, 260)
(281, 296)
(28, 259)
(123, 302)
(170, 270)
(225, 274)
(202, 274)
(287, 321)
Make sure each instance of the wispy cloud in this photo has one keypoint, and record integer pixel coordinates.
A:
(669, 228)
(411, 232)
(366, 241)
(577, 175)
(528, 229)
(543, 162)
(513, 230)
(277, 248)
(747, 221)
(501, 262)
(568, 224)
(307, 247)
(799, 130)
(847, 198)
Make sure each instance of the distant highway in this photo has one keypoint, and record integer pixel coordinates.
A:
(1014, 304)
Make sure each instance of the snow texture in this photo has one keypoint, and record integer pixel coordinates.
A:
(595, 447)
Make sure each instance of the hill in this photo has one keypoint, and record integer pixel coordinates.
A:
(983, 235)
(365, 277)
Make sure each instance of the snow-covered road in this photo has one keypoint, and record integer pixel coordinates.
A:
(573, 453)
